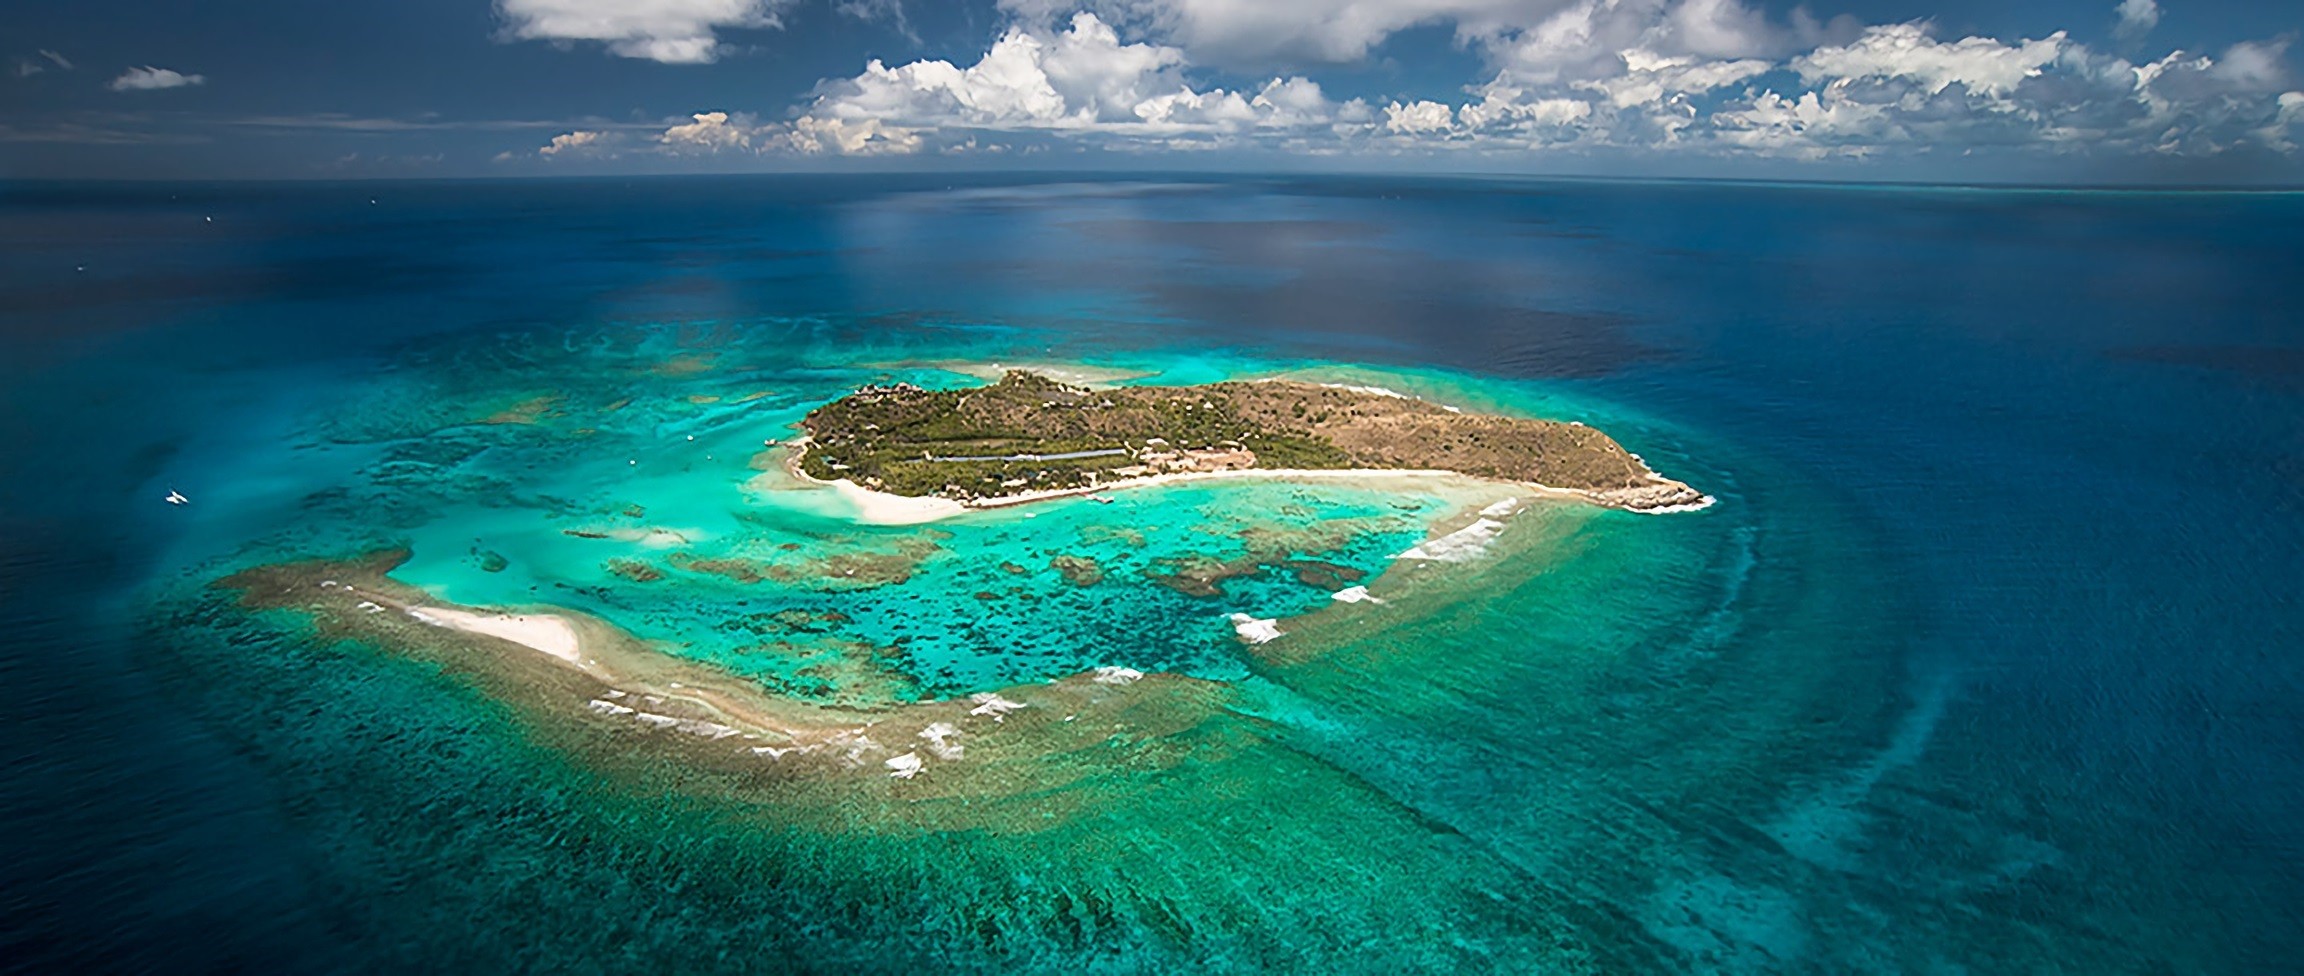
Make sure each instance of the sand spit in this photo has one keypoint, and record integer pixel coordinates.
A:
(1076, 374)
(882, 508)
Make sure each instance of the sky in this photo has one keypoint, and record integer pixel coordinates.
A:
(2054, 91)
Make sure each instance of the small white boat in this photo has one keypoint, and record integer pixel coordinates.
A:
(177, 498)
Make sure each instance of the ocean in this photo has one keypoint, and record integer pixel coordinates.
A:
(1988, 658)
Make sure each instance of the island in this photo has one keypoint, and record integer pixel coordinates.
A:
(794, 654)
(1028, 437)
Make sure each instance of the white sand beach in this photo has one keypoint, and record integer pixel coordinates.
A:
(545, 632)
(1075, 374)
(882, 508)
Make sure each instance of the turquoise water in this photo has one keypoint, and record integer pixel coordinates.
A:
(1980, 664)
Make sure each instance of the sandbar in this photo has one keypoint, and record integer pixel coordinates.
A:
(545, 632)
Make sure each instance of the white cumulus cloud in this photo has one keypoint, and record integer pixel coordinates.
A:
(1906, 52)
(1078, 77)
(710, 132)
(841, 137)
(1082, 80)
(149, 78)
(1717, 77)
(1420, 117)
(581, 140)
(1258, 32)
(669, 31)
(1512, 33)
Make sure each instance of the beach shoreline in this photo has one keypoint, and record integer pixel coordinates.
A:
(889, 509)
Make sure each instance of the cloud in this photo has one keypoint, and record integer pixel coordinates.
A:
(343, 122)
(96, 134)
(27, 67)
(1262, 32)
(704, 134)
(1510, 33)
(866, 137)
(1634, 76)
(1028, 79)
(890, 12)
(1905, 53)
(710, 133)
(1899, 90)
(1620, 77)
(2286, 122)
(1653, 78)
(1419, 117)
(722, 133)
(2254, 65)
(2137, 18)
(667, 31)
(149, 78)
(577, 142)
(1588, 39)
(1080, 81)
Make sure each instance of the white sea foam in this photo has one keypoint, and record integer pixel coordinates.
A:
(852, 746)
(669, 723)
(905, 766)
(1372, 390)
(1509, 506)
(992, 705)
(940, 736)
(1458, 546)
(1695, 506)
(1255, 630)
(1112, 675)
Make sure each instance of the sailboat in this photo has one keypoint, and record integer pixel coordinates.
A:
(177, 498)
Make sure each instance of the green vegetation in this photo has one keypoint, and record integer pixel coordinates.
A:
(1031, 433)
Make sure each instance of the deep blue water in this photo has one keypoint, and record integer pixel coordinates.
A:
(2063, 432)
